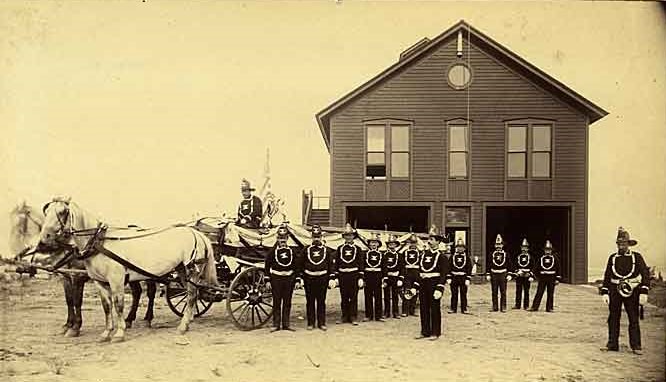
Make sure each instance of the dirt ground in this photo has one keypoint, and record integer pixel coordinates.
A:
(484, 346)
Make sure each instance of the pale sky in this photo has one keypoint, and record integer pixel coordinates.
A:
(149, 112)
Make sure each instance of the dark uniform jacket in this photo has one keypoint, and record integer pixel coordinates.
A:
(411, 259)
(348, 259)
(250, 212)
(498, 262)
(627, 266)
(434, 266)
(281, 262)
(394, 265)
(373, 263)
(548, 266)
(523, 265)
(460, 265)
(318, 261)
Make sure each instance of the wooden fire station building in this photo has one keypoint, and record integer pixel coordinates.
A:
(462, 133)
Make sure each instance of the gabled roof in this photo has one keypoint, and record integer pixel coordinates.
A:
(486, 44)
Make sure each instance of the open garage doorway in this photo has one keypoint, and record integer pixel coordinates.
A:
(392, 218)
(536, 224)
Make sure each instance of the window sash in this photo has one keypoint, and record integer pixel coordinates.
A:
(399, 138)
(400, 167)
(517, 138)
(458, 138)
(458, 164)
(541, 167)
(517, 165)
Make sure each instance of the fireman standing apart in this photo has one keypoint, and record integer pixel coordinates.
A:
(626, 283)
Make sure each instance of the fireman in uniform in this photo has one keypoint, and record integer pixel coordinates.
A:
(626, 282)
(411, 257)
(522, 271)
(498, 274)
(459, 277)
(373, 273)
(250, 208)
(547, 271)
(433, 268)
(281, 269)
(318, 274)
(394, 279)
(348, 268)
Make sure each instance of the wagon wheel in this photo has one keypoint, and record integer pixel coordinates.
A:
(249, 301)
(176, 298)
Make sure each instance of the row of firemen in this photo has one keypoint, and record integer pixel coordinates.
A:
(408, 274)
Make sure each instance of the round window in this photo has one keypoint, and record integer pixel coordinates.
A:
(459, 76)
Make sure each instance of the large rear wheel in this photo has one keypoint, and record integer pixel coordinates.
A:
(249, 300)
(176, 298)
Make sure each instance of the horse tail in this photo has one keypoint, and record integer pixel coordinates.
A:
(209, 271)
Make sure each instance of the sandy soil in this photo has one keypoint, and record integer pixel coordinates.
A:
(484, 346)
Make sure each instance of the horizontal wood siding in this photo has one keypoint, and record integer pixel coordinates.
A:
(516, 190)
(540, 190)
(375, 190)
(420, 93)
(458, 190)
(399, 190)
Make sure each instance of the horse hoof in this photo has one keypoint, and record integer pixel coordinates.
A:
(118, 339)
(72, 333)
(128, 324)
(148, 324)
(182, 330)
(104, 339)
(65, 329)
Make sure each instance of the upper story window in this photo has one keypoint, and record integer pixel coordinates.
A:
(387, 150)
(529, 150)
(376, 157)
(458, 150)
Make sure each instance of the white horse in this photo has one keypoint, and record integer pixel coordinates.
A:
(138, 255)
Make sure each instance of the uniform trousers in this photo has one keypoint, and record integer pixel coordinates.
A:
(430, 309)
(315, 299)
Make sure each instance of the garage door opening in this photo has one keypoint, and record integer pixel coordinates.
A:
(392, 218)
(537, 224)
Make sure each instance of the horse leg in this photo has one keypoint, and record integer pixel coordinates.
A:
(191, 291)
(67, 286)
(117, 303)
(152, 289)
(105, 296)
(79, 284)
(135, 286)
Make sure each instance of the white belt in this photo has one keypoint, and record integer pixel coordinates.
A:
(373, 269)
(396, 273)
(412, 266)
(458, 273)
(548, 272)
(427, 275)
(282, 273)
(498, 270)
(316, 273)
(348, 270)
